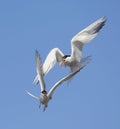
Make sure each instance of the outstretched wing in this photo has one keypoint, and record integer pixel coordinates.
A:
(85, 36)
(32, 95)
(60, 82)
(54, 56)
(39, 69)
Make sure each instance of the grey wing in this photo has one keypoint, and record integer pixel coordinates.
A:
(66, 78)
(85, 36)
(39, 69)
(54, 56)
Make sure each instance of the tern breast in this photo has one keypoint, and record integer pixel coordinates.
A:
(43, 99)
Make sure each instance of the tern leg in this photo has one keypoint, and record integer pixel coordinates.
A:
(39, 105)
(44, 108)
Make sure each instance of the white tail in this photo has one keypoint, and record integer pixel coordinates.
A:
(84, 62)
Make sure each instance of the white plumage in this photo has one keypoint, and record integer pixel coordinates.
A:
(45, 97)
(74, 60)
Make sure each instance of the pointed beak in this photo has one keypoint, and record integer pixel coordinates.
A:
(62, 63)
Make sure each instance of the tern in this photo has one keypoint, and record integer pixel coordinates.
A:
(44, 96)
(78, 41)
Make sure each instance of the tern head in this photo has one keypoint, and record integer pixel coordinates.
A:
(44, 92)
(65, 60)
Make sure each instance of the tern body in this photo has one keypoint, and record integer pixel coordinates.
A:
(74, 60)
(44, 96)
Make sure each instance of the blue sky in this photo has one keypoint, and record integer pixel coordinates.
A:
(91, 100)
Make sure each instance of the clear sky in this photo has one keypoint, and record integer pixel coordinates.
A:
(91, 100)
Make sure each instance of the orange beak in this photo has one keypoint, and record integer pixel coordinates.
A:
(63, 63)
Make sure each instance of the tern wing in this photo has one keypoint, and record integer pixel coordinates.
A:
(54, 56)
(39, 69)
(66, 78)
(32, 95)
(85, 36)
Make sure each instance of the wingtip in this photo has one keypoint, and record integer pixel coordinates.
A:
(27, 92)
(36, 52)
(103, 20)
(99, 25)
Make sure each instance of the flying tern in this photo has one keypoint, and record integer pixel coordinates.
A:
(78, 41)
(44, 96)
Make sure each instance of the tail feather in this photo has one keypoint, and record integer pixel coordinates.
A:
(84, 62)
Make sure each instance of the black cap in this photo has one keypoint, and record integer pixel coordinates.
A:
(65, 56)
(44, 92)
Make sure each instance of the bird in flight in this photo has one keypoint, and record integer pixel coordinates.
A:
(46, 96)
(74, 60)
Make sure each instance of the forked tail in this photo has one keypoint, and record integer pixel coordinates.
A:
(84, 62)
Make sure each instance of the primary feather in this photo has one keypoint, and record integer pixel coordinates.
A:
(85, 36)
(40, 73)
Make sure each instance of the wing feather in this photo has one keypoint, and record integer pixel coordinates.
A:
(85, 36)
(66, 78)
(54, 56)
(33, 96)
(39, 70)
